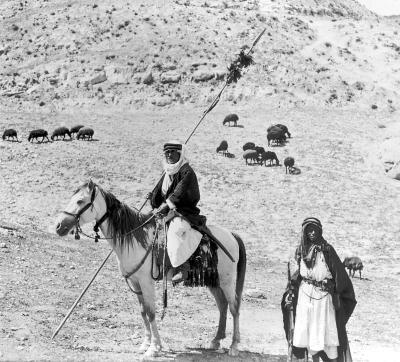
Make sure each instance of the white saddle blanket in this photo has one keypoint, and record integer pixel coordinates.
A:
(182, 241)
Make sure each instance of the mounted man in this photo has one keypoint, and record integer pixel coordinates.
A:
(175, 197)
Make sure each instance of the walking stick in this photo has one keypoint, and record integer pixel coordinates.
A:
(81, 295)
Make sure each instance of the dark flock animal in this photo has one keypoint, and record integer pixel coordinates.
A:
(280, 126)
(352, 264)
(277, 136)
(36, 133)
(269, 156)
(250, 156)
(61, 132)
(289, 163)
(75, 129)
(223, 147)
(85, 133)
(10, 133)
(249, 146)
(231, 118)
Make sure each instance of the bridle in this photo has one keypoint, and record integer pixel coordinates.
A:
(77, 216)
(78, 230)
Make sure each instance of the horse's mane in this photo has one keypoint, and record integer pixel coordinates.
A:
(122, 220)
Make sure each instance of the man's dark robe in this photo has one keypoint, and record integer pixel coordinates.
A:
(346, 297)
(184, 193)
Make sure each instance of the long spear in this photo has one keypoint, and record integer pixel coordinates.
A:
(235, 72)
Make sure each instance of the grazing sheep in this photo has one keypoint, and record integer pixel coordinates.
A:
(61, 131)
(231, 118)
(36, 133)
(271, 156)
(10, 133)
(352, 264)
(223, 147)
(251, 155)
(249, 146)
(85, 133)
(75, 129)
(289, 163)
(280, 126)
(277, 136)
(260, 150)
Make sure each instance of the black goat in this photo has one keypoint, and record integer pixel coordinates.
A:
(10, 133)
(85, 133)
(289, 163)
(260, 150)
(280, 126)
(251, 155)
(223, 147)
(61, 131)
(352, 264)
(269, 156)
(277, 136)
(75, 129)
(249, 146)
(231, 118)
(36, 133)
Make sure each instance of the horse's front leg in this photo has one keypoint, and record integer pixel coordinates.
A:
(147, 333)
(150, 310)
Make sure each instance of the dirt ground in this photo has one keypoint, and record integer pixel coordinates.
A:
(342, 182)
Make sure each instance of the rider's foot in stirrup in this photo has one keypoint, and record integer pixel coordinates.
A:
(177, 278)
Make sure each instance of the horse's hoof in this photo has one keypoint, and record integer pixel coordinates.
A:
(214, 344)
(144, 346)
(233, 351)
(152, 351)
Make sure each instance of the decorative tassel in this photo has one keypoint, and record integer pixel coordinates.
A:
(235, 69)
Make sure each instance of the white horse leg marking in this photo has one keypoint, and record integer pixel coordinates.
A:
(222, 304)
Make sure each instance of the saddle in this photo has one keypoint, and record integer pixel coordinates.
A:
(202, 265)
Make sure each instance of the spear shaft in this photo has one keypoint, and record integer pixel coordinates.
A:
(80, 296)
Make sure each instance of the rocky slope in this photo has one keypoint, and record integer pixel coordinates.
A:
(63, 53)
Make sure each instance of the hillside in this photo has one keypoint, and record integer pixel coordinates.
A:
(58, 54)
(142, 72)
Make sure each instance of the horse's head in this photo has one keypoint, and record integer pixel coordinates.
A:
(83, 207)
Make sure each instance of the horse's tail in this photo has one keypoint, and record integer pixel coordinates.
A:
(241, 270)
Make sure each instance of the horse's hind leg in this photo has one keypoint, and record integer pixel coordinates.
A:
(222, 304)
(234, 309)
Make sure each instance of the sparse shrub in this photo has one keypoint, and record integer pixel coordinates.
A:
(374, 106)
(328, 45)
(359, 85)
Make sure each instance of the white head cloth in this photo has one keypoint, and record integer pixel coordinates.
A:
(172, 168)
